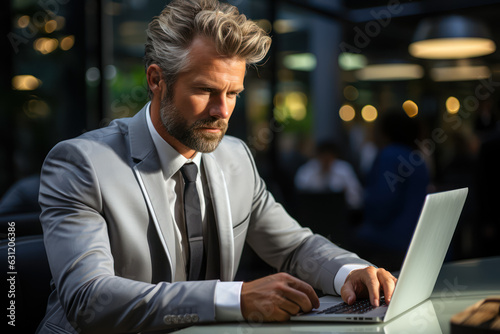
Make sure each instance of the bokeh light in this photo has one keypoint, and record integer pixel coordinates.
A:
(25, 82)
(369, 113)
(410, 108)
(347, 113)
(452, 105)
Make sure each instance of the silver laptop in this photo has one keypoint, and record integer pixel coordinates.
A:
(420, 269)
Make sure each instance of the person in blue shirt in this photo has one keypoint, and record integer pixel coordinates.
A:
(395, 190)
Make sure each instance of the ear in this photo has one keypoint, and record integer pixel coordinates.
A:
(155, 80)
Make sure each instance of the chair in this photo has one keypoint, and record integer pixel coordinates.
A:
(20, 204)
(27, 223)
(31, 284)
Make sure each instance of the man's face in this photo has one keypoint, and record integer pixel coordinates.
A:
(197, 111)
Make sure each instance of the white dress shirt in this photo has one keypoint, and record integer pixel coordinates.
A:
(340, 177)
(227, 294)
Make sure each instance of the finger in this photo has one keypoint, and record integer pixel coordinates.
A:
(307, 293)
(373, 285)
(279, 309)
(281, 315)
(289, 306)
(298, 298)
(348, 293)
(388, 283)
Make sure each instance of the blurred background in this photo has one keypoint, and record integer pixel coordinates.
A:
(321, 103)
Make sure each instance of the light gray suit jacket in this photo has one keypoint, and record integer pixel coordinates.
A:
(109, 235)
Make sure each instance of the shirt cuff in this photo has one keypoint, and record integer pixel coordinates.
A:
(227, 301)
(342, 275)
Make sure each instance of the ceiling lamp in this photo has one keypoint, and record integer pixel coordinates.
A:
(460, 73)
(351, 61)
(300, 62)
(459, 70)
(390, 72)
(451, 37)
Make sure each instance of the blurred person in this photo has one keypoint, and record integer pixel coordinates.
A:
(395, 190)
(457, 170)
(362, 148)
(326, 172)
(145, 220)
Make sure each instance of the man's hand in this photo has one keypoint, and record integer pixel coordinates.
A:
(276, 298)
(368, 282)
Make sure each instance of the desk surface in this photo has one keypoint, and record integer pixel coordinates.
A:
(459, 285)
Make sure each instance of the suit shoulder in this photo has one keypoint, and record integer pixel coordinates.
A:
(118, 127)
(231, 146)
(90, 141)
(230, 142)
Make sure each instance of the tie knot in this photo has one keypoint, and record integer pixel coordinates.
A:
(189, 172)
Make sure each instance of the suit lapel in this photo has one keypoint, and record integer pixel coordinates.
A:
(150, 177)
(222, 211)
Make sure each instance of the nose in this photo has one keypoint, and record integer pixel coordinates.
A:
(219, 107)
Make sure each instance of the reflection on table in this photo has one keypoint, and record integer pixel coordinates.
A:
(459, 285)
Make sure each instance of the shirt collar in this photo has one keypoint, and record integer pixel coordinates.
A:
(171, 160)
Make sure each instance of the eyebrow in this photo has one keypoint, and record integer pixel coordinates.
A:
(205, 83)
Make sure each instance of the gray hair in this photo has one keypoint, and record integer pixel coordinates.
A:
(170, 34)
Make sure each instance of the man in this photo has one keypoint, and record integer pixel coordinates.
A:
(117, 203)
(393, 200)
(326, 172)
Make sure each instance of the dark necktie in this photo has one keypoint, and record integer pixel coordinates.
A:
(192, 216)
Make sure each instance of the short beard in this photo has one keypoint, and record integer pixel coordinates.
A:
(189, 136)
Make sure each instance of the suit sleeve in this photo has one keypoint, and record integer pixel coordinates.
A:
(95, 300)
(290, 247)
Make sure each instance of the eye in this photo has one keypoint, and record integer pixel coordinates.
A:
(234, 94)
(204, 90)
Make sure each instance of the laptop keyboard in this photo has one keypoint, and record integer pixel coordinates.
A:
(359, 307)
